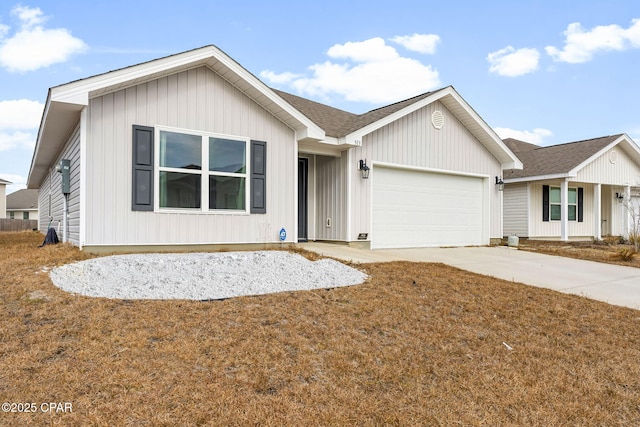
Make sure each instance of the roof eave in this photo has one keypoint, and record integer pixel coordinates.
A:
(624, 138)
(64, 102)
(463, 112)
(538, 178)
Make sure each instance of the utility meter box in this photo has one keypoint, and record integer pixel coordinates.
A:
(65, 169)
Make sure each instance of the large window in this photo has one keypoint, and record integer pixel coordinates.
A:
(202, 171)
(555, 204)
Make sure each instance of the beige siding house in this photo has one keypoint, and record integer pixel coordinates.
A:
(193, 151)
(23, 204)
(579, 190)
(3, 197)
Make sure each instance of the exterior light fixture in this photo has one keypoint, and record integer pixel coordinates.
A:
(499, 183)
(619, 197)
(363, 168)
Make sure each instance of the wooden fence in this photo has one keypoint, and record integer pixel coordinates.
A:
(18, 224)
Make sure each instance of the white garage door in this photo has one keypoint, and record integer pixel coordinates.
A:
(421, 209)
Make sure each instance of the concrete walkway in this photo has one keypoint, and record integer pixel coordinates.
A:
(613, 284)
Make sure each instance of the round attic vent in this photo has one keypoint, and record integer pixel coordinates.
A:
(437, 119)
(613, 156)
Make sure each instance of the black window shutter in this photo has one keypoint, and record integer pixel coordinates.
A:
(580, 206)
(142, 187)
(545, 203)
(258, 177)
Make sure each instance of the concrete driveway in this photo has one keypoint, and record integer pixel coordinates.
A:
(613, 284)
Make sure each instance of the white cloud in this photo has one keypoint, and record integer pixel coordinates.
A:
(32, 46)
(19, 121)
(372, 50)
(510, 62)
(533, 137)
(17, 139)
(580, 45)
(282, 78)
(423, 43)
(20, 114)
(30, 17)
(372, 71)
(18, 182)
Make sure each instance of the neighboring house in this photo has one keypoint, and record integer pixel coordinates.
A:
(192, 150)
(576, 190)
(3, 197)
(23, 204)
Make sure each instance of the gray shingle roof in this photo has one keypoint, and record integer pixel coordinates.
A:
(338, 123)
(554, 159)
(23, 199)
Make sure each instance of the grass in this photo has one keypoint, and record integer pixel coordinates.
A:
(610, 250)
(417, 344)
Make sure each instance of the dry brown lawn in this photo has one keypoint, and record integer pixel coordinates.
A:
(607, 251)
(417, 344)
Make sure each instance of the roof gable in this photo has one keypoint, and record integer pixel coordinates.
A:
(23, 199)
(65, 102)
(563, 160)
(350, 128)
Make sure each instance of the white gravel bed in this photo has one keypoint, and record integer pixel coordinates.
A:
(201, 276)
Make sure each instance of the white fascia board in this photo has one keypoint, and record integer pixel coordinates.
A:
(45, 113)
(575, 170)
(538, 178)
(514, 162)
(355, 138)
(308, 128)
(307, 132)
(78, 91)
(623, 139)
(318, 148)
(511, 165)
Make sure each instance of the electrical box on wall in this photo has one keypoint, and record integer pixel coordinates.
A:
(65, 169)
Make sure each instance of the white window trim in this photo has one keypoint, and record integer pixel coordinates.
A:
(204, 173)
(560, 204)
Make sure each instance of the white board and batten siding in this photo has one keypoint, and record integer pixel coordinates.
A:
(413, 142)
(540, 228)
(200, 100)
(51, 199)
(516, 210)
(614, 167)
(331, 197)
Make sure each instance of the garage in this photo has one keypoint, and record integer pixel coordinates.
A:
(416, 208)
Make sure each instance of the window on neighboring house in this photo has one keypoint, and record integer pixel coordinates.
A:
(12, 215)
(202, 171)
(555, 209)
(25, 215)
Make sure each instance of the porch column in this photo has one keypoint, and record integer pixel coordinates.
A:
(564, 210)
(597, 211)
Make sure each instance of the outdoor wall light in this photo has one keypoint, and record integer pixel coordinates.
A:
(499, 183)
(363, 168)
(619, 197)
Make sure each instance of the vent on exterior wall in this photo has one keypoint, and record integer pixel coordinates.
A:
(437, 119)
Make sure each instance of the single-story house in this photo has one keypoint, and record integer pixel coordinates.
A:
(578, 190)
(3, 197)
(193, 151)
(23, 204)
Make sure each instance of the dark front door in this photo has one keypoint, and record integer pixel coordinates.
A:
(303, 186)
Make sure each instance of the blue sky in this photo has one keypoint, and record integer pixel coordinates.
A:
(546, 72)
